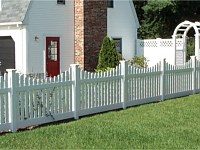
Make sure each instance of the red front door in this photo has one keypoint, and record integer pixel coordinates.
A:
(52, 56)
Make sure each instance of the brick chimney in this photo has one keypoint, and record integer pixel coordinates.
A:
(90, 29)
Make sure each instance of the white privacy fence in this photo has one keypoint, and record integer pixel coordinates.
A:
(26, 101)
(157, 49)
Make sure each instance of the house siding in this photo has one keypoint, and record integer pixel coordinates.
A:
(122, 23)
(90, 29)
(49, 19)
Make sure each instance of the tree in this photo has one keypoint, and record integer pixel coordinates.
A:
(160, 17)
(108, 57)
(155, 21)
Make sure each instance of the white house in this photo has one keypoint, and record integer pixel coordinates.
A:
(122, 25)
(46, 36)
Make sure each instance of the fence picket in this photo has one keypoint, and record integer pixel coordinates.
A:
(107, 90)
(89, 90)
(26, 99)
(92, 92)
(48, 98)
(75, 92)
(43, 96)
(104, 94)
(99, 89)
(117, 86)
(6, 97)
(95, 100)
(114, 87)
(62, 94)
(2, 101)
(59, 98)
(21, 98)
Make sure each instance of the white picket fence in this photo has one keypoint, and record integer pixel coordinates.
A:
(26, 101)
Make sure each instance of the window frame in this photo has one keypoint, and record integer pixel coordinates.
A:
(120, 39)
(61, 2)
(110, 3)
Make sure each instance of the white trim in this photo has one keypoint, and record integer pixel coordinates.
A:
(119, 38)
(134, 14)
(52, 35)
(10, 23)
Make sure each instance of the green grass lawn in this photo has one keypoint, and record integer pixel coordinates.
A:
(173, 124)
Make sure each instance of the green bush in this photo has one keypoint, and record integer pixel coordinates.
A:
(108, 57)
(103, 70)
(139, 61)
(120, 57)
(190, 48)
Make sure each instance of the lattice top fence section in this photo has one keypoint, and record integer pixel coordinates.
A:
(159, 43)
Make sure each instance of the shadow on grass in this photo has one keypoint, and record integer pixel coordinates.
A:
(72, 119)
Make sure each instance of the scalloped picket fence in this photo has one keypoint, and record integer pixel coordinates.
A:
(25, 101)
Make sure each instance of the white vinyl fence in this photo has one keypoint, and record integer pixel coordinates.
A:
(157, 49)
(25, 101)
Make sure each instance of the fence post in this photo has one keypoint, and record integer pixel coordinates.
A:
(75, 90)
(193, 58)
(174, 45)
(124, 83)
(162, 80)
(11, 99)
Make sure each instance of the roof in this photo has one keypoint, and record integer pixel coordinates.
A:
(13, 10)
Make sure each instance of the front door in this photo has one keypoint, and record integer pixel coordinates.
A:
(52, 56)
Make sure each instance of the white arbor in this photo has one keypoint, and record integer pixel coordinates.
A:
(181, 32)
(174, 49)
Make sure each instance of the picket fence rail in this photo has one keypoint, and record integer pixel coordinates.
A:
(25, 101)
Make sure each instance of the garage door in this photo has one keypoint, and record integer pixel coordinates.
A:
(7, 53)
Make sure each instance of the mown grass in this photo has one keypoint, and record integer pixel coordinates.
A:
(173, 124)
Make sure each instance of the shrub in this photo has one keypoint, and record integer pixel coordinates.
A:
(103, 70)
(139, 61)
(190, 48)
(120, 57)
(108, 57)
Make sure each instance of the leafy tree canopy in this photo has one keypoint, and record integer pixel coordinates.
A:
(158, 18)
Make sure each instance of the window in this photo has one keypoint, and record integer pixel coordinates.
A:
(61, 2)
(52, 51)
(118, 44)
(110, 3)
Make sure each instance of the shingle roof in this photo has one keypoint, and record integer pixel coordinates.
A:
(13, 10)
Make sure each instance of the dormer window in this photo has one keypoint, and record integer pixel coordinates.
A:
(110, 3)
(61, 2)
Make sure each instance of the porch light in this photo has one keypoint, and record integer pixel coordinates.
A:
(36, 38)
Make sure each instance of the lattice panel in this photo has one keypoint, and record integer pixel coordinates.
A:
(179, 43)
(118, 45)
(166, 44)
(148, 44)
(141, 43)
